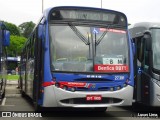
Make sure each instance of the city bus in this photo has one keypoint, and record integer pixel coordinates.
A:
(79, 57)
(13, 64)
(4, 41)
(146, 36)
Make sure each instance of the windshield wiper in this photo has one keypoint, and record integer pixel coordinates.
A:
(82, 37)
(102, 36)
(79, 34)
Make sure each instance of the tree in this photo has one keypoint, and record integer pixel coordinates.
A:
(26, 28)
(16, 45)
(12, 28)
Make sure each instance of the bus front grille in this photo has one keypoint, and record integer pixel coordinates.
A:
(84, 101)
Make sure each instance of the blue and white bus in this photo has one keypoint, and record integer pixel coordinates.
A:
(4, 41)
(13, 64)
(146, 36)
(79, 57)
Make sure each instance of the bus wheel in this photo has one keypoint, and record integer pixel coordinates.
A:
(100, 109)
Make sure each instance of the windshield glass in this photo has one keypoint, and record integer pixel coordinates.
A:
(156, 47)
(88, 48)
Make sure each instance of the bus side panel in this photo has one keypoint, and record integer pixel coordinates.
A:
(29, 77)
(47, 73)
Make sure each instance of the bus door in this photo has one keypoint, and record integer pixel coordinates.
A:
(138, 59)
(37, 68)
(146, 76)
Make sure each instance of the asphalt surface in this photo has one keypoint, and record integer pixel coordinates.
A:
(22, 108)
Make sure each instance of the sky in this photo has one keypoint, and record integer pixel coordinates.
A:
(19, 11)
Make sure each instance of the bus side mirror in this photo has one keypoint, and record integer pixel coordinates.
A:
(134, 48)
(6, 38)
(147, 38)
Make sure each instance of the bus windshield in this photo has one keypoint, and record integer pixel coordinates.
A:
(79, 48)
(156, 47)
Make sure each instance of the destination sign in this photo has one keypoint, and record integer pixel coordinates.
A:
(88, 14)
(111, 68)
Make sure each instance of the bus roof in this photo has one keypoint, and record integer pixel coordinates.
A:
(139, 29)
(46, 12)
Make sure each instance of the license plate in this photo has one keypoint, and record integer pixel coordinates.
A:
(93, 98)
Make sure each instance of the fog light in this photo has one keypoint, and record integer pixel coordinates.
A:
(73, 89)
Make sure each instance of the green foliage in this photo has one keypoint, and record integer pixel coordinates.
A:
(16, 44)
(26, 28)
(12, 77)
(12, 28)
(18, 37)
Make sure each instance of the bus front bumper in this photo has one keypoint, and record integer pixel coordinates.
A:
(57, 97)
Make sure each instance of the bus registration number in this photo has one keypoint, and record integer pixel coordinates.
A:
(93, 98)
(113, 61)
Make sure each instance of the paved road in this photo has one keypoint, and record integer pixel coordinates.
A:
(14, 102)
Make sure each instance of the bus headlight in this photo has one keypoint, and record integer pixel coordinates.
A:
(111, 89)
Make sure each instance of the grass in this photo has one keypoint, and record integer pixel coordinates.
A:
(12, 77)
